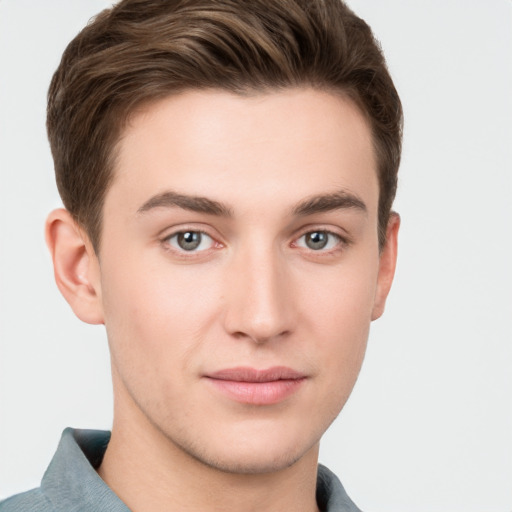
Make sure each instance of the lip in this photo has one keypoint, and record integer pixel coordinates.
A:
(257, 387)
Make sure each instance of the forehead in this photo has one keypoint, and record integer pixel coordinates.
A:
(278, 146)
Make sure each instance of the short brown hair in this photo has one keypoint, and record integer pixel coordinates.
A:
(143, 50)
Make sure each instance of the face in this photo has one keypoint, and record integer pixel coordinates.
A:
(239, 271)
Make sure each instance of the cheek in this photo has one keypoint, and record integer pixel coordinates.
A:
(153, 326)
(338, 315)
(155, 312)
(340, 299)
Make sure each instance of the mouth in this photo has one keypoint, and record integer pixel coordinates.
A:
(257, 387)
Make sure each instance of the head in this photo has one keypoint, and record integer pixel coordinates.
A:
(141, 51)
(228, 169)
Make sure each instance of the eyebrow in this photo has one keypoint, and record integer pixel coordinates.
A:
(327, 202)
(315, 204)
(198, 204)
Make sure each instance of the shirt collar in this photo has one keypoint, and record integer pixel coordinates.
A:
(71, 482)
(330, 494)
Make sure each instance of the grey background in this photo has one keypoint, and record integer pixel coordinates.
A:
(429, 425)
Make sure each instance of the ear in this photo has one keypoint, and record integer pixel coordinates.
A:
(387, 265)
(76, 267)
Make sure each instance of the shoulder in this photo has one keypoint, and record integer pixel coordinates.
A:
(30, 501)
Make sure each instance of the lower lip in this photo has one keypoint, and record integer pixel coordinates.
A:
(257, 393)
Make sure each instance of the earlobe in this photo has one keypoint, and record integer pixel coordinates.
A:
(387, 265)
(75, 265)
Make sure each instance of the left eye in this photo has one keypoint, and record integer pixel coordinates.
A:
(190, 241)
(318, 240)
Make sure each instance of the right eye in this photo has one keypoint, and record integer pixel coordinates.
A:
(190, 241)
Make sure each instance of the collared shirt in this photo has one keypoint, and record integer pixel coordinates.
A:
(71, 483)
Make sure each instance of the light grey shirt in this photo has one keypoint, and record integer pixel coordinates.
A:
(71, 483)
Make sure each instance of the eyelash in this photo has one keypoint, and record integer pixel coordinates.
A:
(340, 243)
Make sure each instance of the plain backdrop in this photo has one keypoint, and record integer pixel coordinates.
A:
(429, 425)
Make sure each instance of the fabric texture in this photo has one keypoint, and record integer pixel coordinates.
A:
(71, 484)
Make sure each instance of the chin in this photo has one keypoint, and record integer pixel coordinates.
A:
(244, 462)
(252, 451)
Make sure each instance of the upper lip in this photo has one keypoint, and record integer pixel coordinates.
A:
(247, 374)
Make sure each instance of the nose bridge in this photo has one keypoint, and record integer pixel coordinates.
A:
(259, 305)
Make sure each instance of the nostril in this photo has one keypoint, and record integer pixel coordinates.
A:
(260, 338)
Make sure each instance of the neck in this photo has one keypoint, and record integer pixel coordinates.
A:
(149, 473)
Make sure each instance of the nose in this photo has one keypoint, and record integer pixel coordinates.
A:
(260, 305)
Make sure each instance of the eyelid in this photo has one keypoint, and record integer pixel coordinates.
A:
(183, 227)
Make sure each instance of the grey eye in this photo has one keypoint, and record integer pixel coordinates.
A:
(318, 240)
(191, 241)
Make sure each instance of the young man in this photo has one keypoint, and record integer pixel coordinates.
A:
(228, 170)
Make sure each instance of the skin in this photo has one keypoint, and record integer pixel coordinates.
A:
(255, 293)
